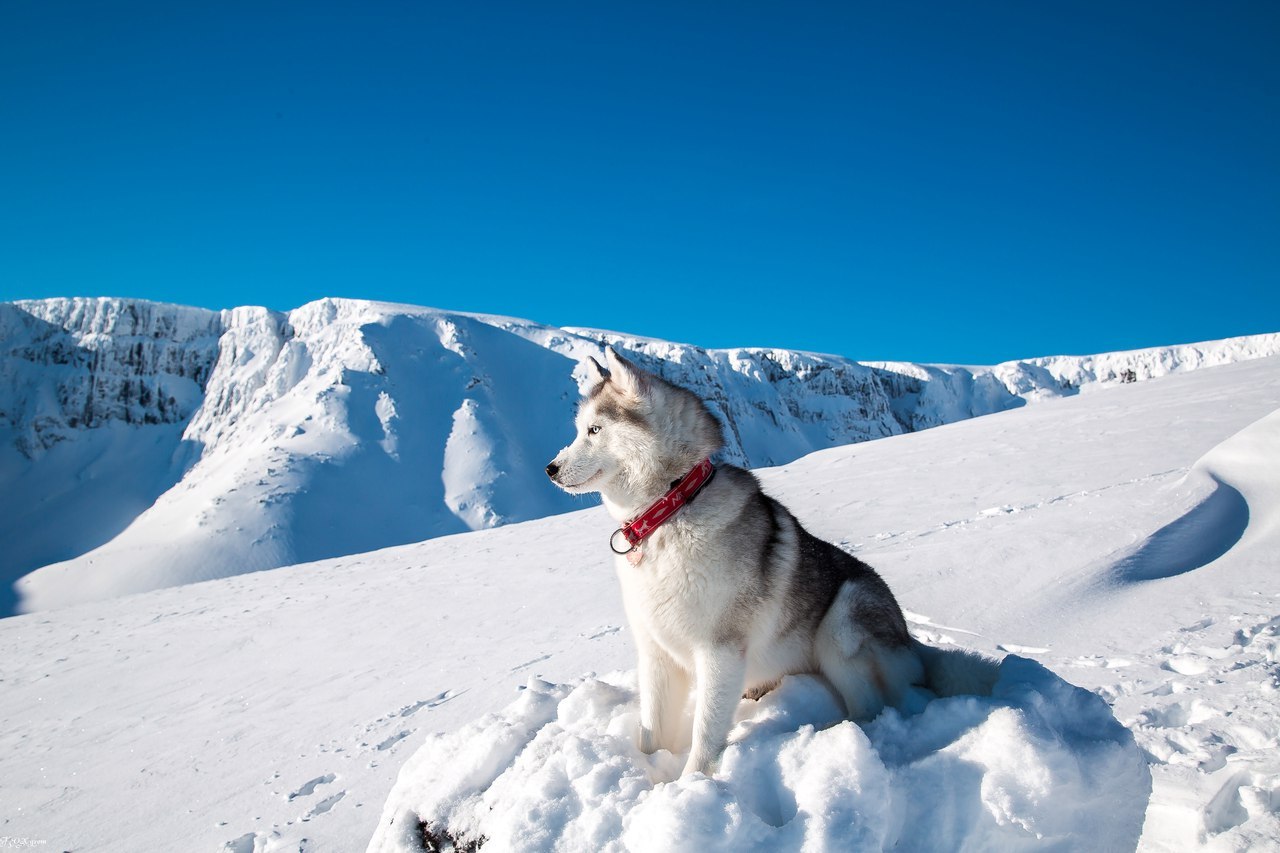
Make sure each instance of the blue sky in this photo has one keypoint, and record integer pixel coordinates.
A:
(964, 182)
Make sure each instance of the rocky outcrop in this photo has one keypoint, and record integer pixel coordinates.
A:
(72, 364)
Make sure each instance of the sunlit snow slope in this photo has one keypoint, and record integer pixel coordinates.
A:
(273, 711)
(146, 445)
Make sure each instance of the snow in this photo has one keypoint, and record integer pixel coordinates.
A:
(1040, 764)
(145, 445)
(285, 710)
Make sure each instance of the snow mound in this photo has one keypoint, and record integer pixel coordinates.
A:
(1039, 764)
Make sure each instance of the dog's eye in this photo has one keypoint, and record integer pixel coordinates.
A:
(593, 429)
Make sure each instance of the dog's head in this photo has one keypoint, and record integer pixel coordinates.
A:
(635, 429)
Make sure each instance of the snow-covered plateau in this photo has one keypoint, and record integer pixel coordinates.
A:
(145, 445)
(1118, 548)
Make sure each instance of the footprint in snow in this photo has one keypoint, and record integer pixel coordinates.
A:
(393, 740)
(324, 805)
(433, 702)
(309, 788)
(253, 842)
(243, 844)
(411, 709)
(530, 663)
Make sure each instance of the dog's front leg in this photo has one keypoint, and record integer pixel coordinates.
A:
(720, 672)
(663, 691)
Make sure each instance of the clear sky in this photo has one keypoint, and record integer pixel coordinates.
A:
(962, 182)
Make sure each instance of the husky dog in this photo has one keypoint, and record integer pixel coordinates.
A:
(730, 593)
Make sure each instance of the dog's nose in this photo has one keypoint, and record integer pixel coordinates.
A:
(552, 469)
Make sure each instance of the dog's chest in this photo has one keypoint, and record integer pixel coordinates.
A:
(678, 594)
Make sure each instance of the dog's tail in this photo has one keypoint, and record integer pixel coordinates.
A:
(957, 671)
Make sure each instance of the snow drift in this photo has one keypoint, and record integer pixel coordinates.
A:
(1038, 765)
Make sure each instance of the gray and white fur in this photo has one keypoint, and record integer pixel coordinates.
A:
(732, 593)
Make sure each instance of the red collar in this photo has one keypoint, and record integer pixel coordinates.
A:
(682, 492)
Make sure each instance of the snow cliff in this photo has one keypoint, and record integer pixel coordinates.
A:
(74, 364)
(146, 445)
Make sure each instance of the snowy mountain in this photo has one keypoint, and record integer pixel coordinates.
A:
(146, 445)
(485, 681)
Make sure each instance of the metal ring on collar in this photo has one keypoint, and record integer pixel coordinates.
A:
(614, 548)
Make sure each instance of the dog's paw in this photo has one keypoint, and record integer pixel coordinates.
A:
(704, 766)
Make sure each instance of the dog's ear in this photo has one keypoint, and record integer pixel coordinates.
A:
(596, 373)
(625, 375)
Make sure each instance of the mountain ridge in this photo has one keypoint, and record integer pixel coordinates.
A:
(146, 445)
